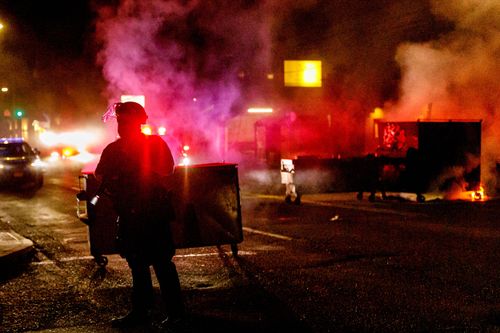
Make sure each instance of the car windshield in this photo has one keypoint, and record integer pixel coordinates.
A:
(14, 149)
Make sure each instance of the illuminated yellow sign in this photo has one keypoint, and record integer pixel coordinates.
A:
(302, 73)
(377, 113)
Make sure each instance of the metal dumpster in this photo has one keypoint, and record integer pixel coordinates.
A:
(413, 156)
(206, 200)
(427, 156)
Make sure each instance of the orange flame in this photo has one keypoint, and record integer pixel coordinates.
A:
(475, 195)
(478, 195)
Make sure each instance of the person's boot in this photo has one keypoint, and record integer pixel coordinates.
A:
(132, 319)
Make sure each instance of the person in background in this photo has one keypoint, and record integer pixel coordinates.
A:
(134, 170)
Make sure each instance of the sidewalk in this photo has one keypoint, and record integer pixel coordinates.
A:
(14, 248)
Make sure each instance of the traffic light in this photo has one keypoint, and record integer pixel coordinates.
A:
(19, 113)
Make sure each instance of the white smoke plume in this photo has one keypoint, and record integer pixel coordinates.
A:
(456, 76)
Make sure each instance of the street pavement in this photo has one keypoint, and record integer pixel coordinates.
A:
(16, 250)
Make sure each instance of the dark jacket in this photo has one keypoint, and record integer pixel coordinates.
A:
(134, 174)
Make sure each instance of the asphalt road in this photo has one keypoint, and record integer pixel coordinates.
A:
(331, 264)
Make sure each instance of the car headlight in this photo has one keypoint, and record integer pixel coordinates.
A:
(38, 163)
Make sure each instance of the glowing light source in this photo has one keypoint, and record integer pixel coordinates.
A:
(84, 157)
(162, 130)
(68, 151)
(185, 158)
(302, 73)
(146, 129)
(49, 138)
(377, 113)
(141, 99)
(38, 163)
(5, 89)
(19, 113)
(77, 139)
(54, 156)
(260, 110)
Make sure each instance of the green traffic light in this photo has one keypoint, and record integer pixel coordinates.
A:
(19, 113)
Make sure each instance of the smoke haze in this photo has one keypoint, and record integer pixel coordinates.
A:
(184, 56)
(188, 58)
(456, 76)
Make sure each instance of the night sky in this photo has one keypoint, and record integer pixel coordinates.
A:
(48, 59)
(57, 24)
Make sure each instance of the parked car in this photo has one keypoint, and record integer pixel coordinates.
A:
(20, 164)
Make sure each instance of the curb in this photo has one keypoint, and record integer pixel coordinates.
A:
(14, 249)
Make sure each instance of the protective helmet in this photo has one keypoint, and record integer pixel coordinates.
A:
(126, 110)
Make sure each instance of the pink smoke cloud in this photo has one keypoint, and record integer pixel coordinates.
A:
(184, 57)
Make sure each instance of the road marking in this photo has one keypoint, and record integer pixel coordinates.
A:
(269, 234)
(68, 259)
(264, 196)
(210, 254)
(363, 208)
(43, 263)
(341, 204)
(76, 258)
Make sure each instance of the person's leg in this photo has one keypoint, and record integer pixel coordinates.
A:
(142, 286)
(142, 295)
(170, 287)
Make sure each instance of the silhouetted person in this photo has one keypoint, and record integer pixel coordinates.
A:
(371, 174)
(413, 175)
(134, 171)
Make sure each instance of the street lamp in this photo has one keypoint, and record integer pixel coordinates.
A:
(2, 28)
(4, 105)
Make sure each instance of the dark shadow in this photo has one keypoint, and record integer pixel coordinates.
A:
(14, 267)
(243, 308)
